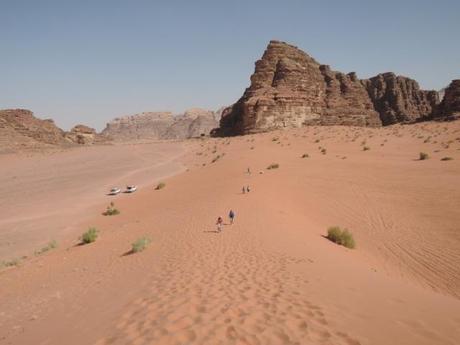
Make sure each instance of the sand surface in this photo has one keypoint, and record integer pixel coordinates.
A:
(271, 277)
(44, 195)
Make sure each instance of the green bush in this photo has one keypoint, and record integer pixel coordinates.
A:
(89, 236)
(140, 244)
(111, 210)
(273, 166)
(160, 185)
(51, 245)
(423, 156)
(344, 238)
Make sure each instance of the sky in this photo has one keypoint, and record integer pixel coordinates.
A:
(91, 61)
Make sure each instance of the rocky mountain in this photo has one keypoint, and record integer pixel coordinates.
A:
(291, 89)
(450, 104)
(20, 129)
(162, 125)
(399, 99)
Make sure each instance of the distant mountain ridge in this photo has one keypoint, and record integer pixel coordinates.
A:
(192, 123)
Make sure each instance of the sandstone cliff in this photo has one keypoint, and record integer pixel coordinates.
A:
(399, 99)
(84, 135)
(162, 125)
(291, 89)
(450, 105)
(21, 130)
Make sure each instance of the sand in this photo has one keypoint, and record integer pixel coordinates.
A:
(271, 277)
(42, 195)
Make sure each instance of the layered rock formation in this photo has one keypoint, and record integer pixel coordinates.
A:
(84, 135)
(399, 99)
(20, 129)
(450, 105)
(291, 89)
(162, 125)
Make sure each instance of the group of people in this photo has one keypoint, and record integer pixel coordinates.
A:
(231, 214)
(220, 221)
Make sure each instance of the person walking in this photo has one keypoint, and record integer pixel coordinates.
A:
(219, 223)
(231, 216)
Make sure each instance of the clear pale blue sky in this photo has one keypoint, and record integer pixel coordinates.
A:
(89, 61)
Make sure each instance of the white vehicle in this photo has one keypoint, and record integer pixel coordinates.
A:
(114, 191)
(130, 189)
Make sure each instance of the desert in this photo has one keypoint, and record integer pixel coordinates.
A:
(230, 173)
(272, 277)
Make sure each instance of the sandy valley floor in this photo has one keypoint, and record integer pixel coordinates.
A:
(270, 278)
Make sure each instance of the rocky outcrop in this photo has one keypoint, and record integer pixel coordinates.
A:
(84, 135)
(291, 89)
(162, 125)
(24, 124)
(399, 99)
(450, 105)
(21, 130)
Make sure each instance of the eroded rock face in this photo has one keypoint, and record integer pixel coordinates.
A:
(291, 89)
(20, 129)
(192, 123)
(399, 99)
(450, 105)
(84, 135)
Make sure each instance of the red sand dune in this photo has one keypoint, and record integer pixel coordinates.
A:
(271, 277)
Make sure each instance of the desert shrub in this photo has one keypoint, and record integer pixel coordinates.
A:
(140, 244)
(51, 245)
(305, 155)
(215, 159)
(342, 237)
(317, 141)
(111, 210)
(89, 236)
(366, 148)
(323, 151)
(423, 156)
(9, 263)
(275, 139)
(160, 185)
(273, 166)
(446, 158)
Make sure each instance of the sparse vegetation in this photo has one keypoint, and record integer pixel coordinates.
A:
(273, 166)
(305, 155)
(323, 151)
(140, 244)
(51, 245)
(446, 158)
(161, 185)
(89, 236)
(423, 156)
(111, 210)
(366, 148)
(275, 139)
(216, 158)
(9, 263)
(342, 237)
